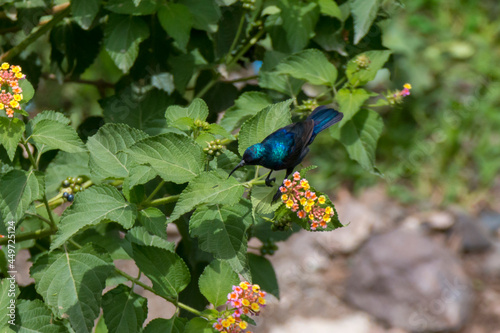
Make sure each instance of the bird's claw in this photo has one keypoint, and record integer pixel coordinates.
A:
(269, 181)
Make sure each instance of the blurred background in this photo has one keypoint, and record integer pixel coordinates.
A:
(421, 252)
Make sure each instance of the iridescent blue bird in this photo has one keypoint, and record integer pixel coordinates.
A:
(286, 147)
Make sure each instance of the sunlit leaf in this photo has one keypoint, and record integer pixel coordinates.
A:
(216, 282)
(213, 187)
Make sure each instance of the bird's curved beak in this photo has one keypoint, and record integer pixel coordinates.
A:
(242, 163)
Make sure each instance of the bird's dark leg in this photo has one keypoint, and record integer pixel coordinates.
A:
(288, 172)
(269, 181)
(278, 193)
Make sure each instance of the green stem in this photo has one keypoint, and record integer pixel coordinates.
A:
(243, 79)
(75, 244)
(226, 141)
(209, 85)
(40, 217)
(233, 60)
(162, 201)
(53, 225)
(35, 35)
(255, 181)
(169, 299)
(34, 166)
(235, 41)
(151, 196)
(30, 235)
(244, 50)
(26, 146)
(341, 81)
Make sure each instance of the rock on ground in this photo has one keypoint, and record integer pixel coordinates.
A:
(357, 323)
(408, 281)
(372, 212)
(474, 235)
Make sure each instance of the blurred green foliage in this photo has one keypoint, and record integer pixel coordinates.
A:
(444, 140)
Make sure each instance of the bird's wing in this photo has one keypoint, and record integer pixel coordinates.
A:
(302, 134)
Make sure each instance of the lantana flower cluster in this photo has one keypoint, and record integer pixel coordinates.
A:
(246, 299)
(9, 100)
(397, 96)
(297, 196)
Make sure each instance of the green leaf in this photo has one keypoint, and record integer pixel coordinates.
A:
(143, 111)
(360, 136)
(364, 13)
(299, 21)
(262, 198)
(140, 174)
(227, 161)
(163, 81)
(221, 231)
(165, 269)
(257, 128)
(122, 36)
(107, 150)
(49, 115)
(28, 90)
(11, 131)
(310, 65)
(176, 158)
(65, 165)
(199, 325)
(18, 190)
(283, 83)
(71, 284)
(139, 235)
(135, 7)
(177, 21)
(246, 106)
(216, 282)
(350, 101)
(213, 187)
(330, 8)
(35, 316)
(55, 135)
(206, 14)
(154, 221)
(227, 33)
(84, 11)
(182, 68)
(197, 110)
(92, 206)
(123, 310)
(359, 76)
(172, 325)
(263, 274)
(6, 295)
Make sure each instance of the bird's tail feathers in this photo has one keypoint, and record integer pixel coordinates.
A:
(324, 117)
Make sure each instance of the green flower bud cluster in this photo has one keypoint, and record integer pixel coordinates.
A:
(201, 124)
(363, 61)
(283, 224)
(70, 186)
(308, 105)
(248, 4)
(214, 148)
(268, 247)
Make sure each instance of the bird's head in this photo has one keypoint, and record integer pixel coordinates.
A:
(251, 156)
